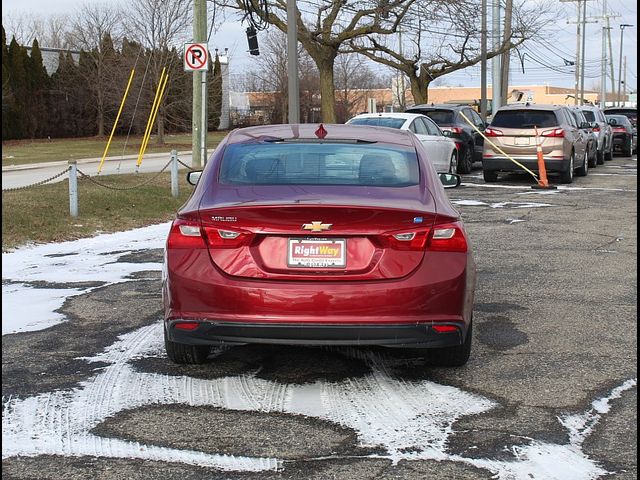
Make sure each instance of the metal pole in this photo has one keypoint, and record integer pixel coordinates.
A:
(504, 83)
(199, 36)
(483, 62)
(582, 55)
(292, 63)
(622, 27)
(205, 124)
(496, 83)
(613, 81)
(73, 188)
(175, 189)
(603, 72)
(577, 82)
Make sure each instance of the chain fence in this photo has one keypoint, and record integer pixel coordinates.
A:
(36, 184)
(132, 187)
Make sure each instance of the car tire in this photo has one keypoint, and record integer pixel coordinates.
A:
(627, 151)
(183, 354)
(583, 170)
(490, 176)
(600, 157)
(567, 177)
(466, 162)
(593, 159)
(452, 356)
(453, 163)
(608, 155)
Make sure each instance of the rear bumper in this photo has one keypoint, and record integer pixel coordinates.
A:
(503, 164)
(389, 335)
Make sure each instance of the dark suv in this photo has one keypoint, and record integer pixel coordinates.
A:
(448, 117)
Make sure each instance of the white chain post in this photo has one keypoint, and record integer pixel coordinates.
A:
(175, 189)
(73, 188)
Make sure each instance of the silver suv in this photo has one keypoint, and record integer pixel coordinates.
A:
(513, 130)
(602, 129)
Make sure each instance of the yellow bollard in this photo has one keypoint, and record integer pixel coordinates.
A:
(146, 130)
(124, 98)
(153, 118)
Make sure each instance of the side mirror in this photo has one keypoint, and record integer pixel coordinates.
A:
(447, 133)
(193, 176)
(585, 125)
(450, 180)
(612, 122)
(593, 124)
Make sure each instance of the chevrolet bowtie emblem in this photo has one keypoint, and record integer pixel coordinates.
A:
(316, 226)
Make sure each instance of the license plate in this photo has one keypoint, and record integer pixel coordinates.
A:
(317, 253)
(522, 140)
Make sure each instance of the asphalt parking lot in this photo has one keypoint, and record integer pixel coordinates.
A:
(549, 392)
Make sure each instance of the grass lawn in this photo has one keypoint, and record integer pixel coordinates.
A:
(18, 152)
(41, 214)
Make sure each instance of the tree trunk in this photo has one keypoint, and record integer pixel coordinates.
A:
(160, 126)
(327, 90)
(419, 92)
(100, 117)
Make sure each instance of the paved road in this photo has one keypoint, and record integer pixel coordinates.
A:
(21, 175)
(550, 382)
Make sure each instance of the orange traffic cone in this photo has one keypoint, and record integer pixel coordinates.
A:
(542, 181)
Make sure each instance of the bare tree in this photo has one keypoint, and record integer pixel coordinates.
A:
(161, 26)
(447, 39)
(324, 26)
(94, 30)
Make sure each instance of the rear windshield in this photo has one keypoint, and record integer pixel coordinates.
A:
(524, 119)
(302, 163)
(589, 115)
(441, 117)
(379, 122)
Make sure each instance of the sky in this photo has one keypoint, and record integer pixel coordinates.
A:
(552, 53)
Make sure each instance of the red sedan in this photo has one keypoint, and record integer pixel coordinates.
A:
(319, 235)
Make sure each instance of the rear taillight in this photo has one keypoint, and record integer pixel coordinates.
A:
(619, 129)
(185, 234)
(556, 132)
(223, 238)
(445, 328)
(492, 132)
(186, 325)
(596, 129)
(448, 237)
(456, 130)
(415, 240)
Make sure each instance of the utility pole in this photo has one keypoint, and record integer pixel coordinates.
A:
(606, 59)
(496, 88)
(622, 27)
(580, 43)
(292, 63)
(199, 131)
(483, 63)
(613, 81)
(583, 53)
(508, 11)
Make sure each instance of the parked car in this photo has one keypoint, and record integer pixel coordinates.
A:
(587, 128)
(625, 137)
(630, 113)
(330, 235)
(603, 131)
(442, 150)
(513, 130)
(449, 117)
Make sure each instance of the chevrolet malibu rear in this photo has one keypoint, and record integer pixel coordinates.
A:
(308, 235)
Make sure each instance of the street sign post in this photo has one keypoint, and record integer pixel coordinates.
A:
(196, 57)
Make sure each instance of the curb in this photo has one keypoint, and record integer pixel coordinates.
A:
(33, 166)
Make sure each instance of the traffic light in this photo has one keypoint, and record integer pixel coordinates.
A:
(252, 38)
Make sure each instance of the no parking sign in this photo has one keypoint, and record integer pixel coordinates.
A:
(196, 57)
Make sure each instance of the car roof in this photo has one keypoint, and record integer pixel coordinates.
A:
(406, 116)
(334, 131)
(439, 106)
(530, 106)
(616, 116)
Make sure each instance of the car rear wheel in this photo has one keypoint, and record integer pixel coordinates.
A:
(593, 158)
(185, 354)
(608, 155)
(601, 156)
(453, 163)
(583, 170)
(567, 177)
(490, 176)
(452, 356)
(466, 162)
(628, 148)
